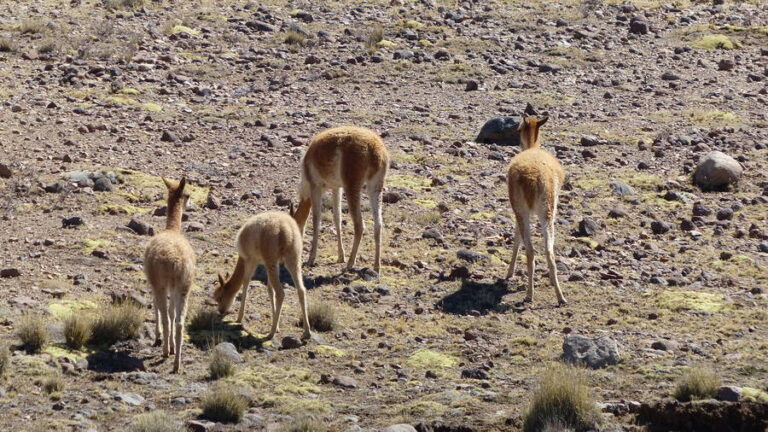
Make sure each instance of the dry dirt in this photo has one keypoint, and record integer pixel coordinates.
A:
(85, 87)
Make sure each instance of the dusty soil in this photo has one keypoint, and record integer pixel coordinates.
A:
(212, 90)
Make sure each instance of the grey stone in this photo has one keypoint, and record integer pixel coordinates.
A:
(729, 393)
(402, 427)
(200, 425)
(102, 184)
(659, 227)
(717, 171)
(471, 256)
(129, 398)
(432, 233)
(500, 130)
(345, 381)
(593, 353)
(140, 228)
(622, 189)
(229, 351)
(664, 345)
(587, 228)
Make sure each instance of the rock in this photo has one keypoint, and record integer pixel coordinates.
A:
(200, 425)
(72, 222)
(621, 189)
(617, 212)
(593, 353)
(432, 233)
(442, 55)
(475, 373)
(717, 171)
(500, 130)
(391, 197)
(659, 227)
(471, 256)
(724, 214)
(726, 65)
(5, 171)
(729, 393)
(590, 141)
(587, 228)
(701, 210)
(638, 26)
(763, 246)
(195, 227)
(290, 342)
(9, 273)
(129, 398)
(399, 428)
(403, 54)
(664, 345)
(472, 85)
(54, 187)
(344, 381)
(228, 350)
(102, 184)
(260, 26)
(670, 76)
(140, 228)
(212, 203)
(167, 136)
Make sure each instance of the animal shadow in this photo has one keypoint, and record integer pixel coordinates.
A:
(476, 297)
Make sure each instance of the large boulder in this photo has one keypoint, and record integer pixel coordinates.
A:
(500, 130)
(717, 171)
(593, 353)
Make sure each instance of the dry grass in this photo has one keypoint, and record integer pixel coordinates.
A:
(374, 37)
(48, 47)
(7, 45)
(155, 421)
(562, 399)
(697, 383)
(125, 4)
(33, 333)
(31, 26)
(223, 404)
(118, 321)
(203, 319)
(295, 38)
(221, 366)
(53, 384)
(77, 330)
(5, 359)
(322, 317)
(304, 424)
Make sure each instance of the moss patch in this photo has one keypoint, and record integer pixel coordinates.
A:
(329, 351)
(122, 209)
(410, 182)
(90, 245)
(67, 307)
(152, 107)
(184, 29)
(715, 41)
(692, 300)
(754, 395)
(425, 358)
(140, 180)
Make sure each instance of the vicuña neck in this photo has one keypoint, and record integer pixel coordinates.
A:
(302, 213)
(173, 219)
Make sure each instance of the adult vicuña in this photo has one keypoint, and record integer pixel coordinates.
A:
(344, 157)
(169, 263)
(534, 179)
(268, 238)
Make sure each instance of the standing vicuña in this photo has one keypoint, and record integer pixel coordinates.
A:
(534, 179)
(344, 157)
(268, 238)
(169, 263)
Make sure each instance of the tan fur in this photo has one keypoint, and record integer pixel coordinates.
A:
(169, 264)
(534, 178)
(343, 158)
(269, 238)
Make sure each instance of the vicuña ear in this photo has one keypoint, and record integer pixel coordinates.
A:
(182, 183)
(168, 183)
(291, 211)
(543, 120)
(221, 279)
(523, 123)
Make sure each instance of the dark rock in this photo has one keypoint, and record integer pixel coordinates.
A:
(403, 54)
(670, 76)
(638, 26)
(212, 203)
(726, 65)
(475, 373)
(200, 425)
(724, 214)
(587, 228)
(472, 85)
(72, 222)
(168, 137)
(140, 228)
(717, 171)
(471, 256)
(729, 393)
(590, 141)
(260, 26)
(391, 197)
(593, 353)
(195, 227)
(617, 212)
(9, 273)
(701, 210)
(290, 342)
(54, 187)
(5, 171)
(500, 130)
(102, 184)
(659, 227)
(763, 246)
(432, 233)
(664, 345)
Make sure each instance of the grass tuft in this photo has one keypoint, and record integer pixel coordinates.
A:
(33, 333)
(77, 330)
(374, 37)
(53, 384)
(5, 359)
(304, 424)
(119, 321)
(322, 317)
(7, 45)
(48, 47)
(223, 404)
(562, 400)
(221, 366)
(125, 4)
(697, 383)
(203, 319)
(31, 26)
(155, 421)
(295, 38)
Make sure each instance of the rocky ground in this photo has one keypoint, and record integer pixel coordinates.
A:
(228, 93)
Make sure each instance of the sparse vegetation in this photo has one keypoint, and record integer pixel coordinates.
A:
(48, 47)
(322, 316)
(31, 26)
(305, 424)
(7, 45)
(53, 384)
(697, 383)
(223, 404)
(125, 4)
(203, 319)
(77, 330)
(155, 421)
(561, 399)
(714, 41)
(295, 38)
(33, 333)
(118, 321)
(5, 359)
(220, 366)
(374, 37)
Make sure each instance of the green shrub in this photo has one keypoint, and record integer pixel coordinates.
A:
(118, 321)
(223, 404)
(697, 383)
(155, 421)
(77, 330)
(563, 400)
(221, 366)
(33, 333)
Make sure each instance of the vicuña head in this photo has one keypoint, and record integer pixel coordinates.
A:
(529, 131)
(177, 201)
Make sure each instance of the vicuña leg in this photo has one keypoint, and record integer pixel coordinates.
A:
(515, 250)
(273, 280)
(180, 306)
(548, 232)
(317, 208)
(294, 267)
(161, 303)
(337, 222)
(353, 201)
(525, 229)
(374, 195)
(248, 269)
